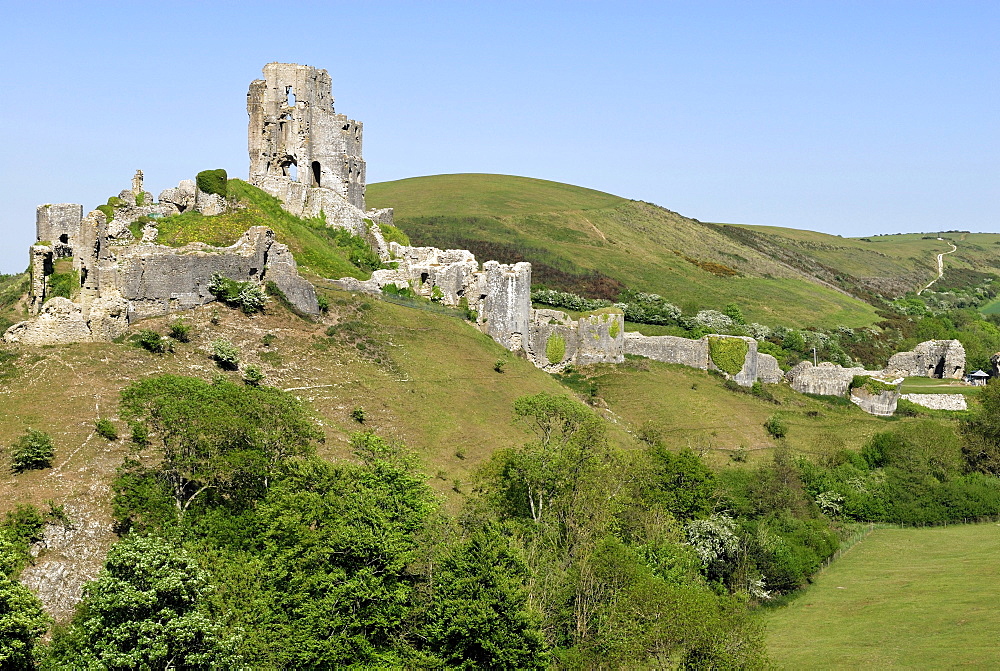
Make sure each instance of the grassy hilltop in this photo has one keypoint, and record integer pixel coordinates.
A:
(595, 243)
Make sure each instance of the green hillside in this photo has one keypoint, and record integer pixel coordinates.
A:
(596, 244)
(586, 241)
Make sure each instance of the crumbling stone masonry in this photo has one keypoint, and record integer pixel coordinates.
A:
(555, 341)
(306, 154)
(695, 353)
(938, 401)
(122, 279)
(932, 358)
(882, 404)
(826, 379)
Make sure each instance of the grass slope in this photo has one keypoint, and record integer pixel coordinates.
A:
(570, 233)
(313, 245)
(902, 598)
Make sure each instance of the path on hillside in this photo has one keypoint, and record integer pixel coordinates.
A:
(940, 266)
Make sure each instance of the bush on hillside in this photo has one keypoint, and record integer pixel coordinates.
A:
(225, 354)
(247, 296)
(105, 428)
(33, 450)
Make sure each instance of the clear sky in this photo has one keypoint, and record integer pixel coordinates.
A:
(852, 118)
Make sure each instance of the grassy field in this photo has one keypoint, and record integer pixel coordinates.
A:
(902, 598)
(928, 385)
(573, 231)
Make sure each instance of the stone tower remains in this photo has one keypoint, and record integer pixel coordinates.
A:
(303, 152)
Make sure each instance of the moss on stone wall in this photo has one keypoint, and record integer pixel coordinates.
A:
(555, 349)
(729, 354)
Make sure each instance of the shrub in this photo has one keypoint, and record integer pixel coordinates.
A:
(776, 426)
(180, 330)
(253, 375)
(269, 339)
(324, 303)
(213, 181)
(248, 296)
(32, 450)
(358, 415)
(105, 428)
(225, 354)
(498, 365)
(614, 329)
(729, 354)
(555, 349)
(109, 212)
(140, 199)
(151, 341)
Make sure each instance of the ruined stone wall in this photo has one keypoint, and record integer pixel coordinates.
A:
(931, 358)
(293, 124)
(502, 301)
(938, 401)
(768, 370)
(59, 224)
(882, 404)
(826, 379)
(592, 339)
(669, 349)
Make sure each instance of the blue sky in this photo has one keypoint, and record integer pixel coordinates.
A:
(852, 118)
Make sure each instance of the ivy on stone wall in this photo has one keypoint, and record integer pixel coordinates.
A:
(729, 354)
(555, 349)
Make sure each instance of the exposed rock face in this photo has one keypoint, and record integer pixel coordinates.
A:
(70, 558)
(882, 404)
(938, 401)
(932, 358)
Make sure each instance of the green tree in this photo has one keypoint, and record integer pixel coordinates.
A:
(145, 610)
(338, 539)
(548, 472)
(682, 483)
(222, 438)
(22, 622)
(480, 617)
(981, 432)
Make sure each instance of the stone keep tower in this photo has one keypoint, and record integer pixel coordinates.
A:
(295, 133)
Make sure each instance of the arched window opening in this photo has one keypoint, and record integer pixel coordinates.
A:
(289, 96)
(64, 238)
(317, 172)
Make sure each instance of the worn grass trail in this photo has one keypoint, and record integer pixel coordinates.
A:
(913, 598)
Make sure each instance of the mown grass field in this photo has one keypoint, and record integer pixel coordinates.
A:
(928, 385)
(901, 598)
